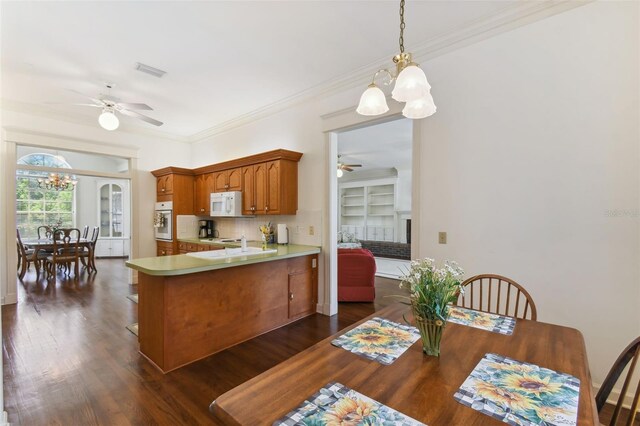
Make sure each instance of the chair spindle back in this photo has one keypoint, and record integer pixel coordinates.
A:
(497, 295)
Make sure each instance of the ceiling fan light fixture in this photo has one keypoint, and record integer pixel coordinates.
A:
(372, 101)
(420, 108)
(108, 119)
(339, 173)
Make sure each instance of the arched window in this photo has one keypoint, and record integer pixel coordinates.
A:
(44, 160)
(35, 205)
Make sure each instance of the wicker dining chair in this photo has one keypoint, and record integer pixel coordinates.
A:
(630, 354)
(65, 252)
(497, 295)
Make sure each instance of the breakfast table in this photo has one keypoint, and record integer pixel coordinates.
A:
(415, 385)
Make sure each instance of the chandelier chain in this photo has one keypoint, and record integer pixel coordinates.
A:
(402, 26)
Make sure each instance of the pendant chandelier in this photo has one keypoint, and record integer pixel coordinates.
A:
(57, 182)
(411, 86)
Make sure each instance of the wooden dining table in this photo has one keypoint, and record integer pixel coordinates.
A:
(419, 386)
(46, 244)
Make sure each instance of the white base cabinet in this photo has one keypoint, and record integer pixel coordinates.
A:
(112, 247)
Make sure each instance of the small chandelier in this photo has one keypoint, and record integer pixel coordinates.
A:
(411, 86)
(57, 182)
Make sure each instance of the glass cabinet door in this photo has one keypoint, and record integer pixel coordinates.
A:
(105, 217)
(111, 210)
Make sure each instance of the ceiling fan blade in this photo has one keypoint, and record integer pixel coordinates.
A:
(97, 101)
(140, 116)
(65, 103)
(347, 168)
(353, 165)
(129, 105)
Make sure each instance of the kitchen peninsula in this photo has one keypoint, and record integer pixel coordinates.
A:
(191, 306)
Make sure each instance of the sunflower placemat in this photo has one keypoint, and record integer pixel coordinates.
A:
(482, 320)
(518, 393)
(378, 339)
(336, 404)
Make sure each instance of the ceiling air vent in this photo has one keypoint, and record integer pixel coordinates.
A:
(150, 70)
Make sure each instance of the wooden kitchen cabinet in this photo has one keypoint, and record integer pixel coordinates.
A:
(203, 187)
(270, 188)
(228, 180)
(164, 185)
(164, 248)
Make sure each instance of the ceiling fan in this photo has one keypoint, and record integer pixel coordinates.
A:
(342, 167)
(110, 105)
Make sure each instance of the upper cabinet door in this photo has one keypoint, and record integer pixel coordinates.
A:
(260, 171)
(164, 185)
(249, 190)
(220, 181)
(204, 186)
(273, 188)
(234, 179)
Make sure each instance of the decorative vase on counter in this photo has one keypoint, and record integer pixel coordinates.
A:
(432, 290)
(264, 242)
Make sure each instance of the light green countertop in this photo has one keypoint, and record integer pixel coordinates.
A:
(182, 264)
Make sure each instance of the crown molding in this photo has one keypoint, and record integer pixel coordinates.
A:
(509, 18)
(85, 120)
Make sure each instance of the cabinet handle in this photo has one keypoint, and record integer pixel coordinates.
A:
(266, 208)
(163, 252)
(162, 189)
(290, 296)
(201, 210)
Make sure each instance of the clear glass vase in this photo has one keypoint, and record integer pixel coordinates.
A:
(430, 333)
(264, 242)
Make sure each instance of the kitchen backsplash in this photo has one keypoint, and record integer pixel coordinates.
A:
(304, 228)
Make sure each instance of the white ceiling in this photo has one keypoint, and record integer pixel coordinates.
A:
(223, 59)
(382, 146)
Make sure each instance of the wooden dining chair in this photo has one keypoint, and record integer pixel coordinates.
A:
(630, 354)
(87, 255)
(26, 257)
(65, 252)
(45, 232)
(497, 295)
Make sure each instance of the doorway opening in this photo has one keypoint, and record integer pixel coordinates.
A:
(374, 205)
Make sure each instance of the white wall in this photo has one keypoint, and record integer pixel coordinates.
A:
(535, 139)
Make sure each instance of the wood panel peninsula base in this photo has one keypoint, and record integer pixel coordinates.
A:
(189, 316)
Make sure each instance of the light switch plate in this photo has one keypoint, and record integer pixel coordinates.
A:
(442, 237)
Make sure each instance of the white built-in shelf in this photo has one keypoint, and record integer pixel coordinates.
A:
(381, 204)
(353, 205)
(352, 196)
(381, 193)
(353, 215)
(379, 215)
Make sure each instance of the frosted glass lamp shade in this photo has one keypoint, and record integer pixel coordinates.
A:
(372, 102)
(411, 84)
(420, 108)
(340, 173)
(108, 120)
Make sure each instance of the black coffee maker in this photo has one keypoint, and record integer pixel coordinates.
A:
(207, 229)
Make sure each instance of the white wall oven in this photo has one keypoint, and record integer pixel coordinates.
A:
(162, 221)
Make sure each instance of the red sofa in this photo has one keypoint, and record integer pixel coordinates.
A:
(356, 275)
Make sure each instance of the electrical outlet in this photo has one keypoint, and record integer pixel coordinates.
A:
(296, 229)
(311, 230)
(442, 237)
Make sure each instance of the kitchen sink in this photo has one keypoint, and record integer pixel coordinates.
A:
(231, 252)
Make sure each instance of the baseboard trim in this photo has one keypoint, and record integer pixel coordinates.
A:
(10, 299)
(614, 396)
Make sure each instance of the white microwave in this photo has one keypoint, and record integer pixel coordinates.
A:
(226, 204)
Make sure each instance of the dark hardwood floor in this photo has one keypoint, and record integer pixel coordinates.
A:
(68, 359)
